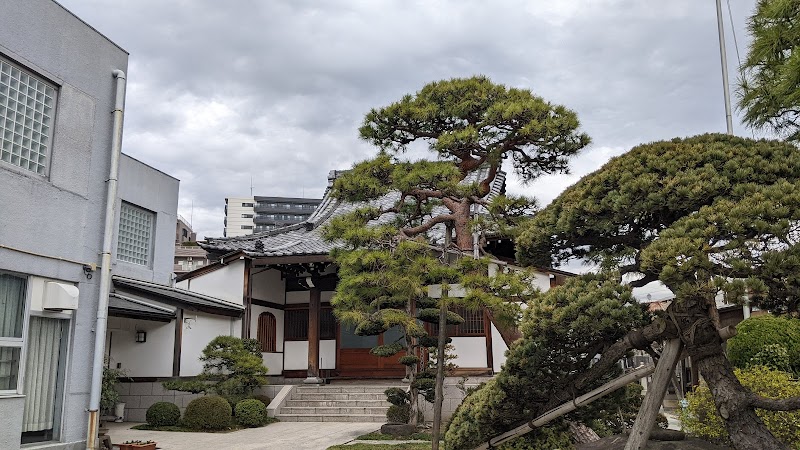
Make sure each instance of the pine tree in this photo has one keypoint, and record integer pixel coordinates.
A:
(387, 261)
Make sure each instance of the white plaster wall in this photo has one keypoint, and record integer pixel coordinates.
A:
(542, 281)
(256, 311)
(273, 362)
(499, 349)
(471, 351)
(268, 286)
(295, 297)
(152, 358)
(226, 283)
(198, 330)
(296, 355)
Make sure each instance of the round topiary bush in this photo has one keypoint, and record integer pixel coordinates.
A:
(263, 399)
(251, 413)
(163, 414)
(208, 413)
(764, 340)
(399, 413)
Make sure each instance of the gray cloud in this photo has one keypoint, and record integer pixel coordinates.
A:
(222, 91)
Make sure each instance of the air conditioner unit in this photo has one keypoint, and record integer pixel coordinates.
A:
(60, 296)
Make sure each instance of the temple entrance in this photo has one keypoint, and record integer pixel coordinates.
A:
(355, 360)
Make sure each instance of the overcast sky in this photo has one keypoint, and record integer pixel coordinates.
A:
(220, 92)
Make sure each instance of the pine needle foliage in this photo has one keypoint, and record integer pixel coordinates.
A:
(388, 255)
(770, 87)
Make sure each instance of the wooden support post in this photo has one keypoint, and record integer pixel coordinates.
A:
(646, 419)
(178, 344)
(312, 376)
(246, 300)
(568, 407)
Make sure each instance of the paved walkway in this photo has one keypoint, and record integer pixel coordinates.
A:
(276, 436)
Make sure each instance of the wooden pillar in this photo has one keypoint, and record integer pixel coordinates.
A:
(246, 301)
(312, 376)
(176, 350)
(646, 419)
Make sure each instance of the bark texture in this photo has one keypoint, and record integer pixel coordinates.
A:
(732, 400)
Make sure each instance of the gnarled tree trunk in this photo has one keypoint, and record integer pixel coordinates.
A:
(703, 343)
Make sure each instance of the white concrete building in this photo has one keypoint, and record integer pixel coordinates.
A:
(239, 216)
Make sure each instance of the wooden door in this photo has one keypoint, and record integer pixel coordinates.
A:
(355, 360)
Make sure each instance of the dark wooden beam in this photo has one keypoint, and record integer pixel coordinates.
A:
(246, 295)
(313, 335)
(487, 331)
(267, 303)
(176, 350)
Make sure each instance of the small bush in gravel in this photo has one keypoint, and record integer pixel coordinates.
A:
(163, 414)
(208, 413)
(399, 413)
(251, 413)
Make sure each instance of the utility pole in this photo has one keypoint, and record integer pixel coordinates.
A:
(724, 60)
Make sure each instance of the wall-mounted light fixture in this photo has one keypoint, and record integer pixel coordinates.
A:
(141, 336)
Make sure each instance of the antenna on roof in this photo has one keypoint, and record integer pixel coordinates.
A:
(251, 185)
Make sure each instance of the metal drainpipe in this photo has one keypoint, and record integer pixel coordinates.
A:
(105, 266)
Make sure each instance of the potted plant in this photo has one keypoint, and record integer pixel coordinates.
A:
(137, 445)
(109, 397)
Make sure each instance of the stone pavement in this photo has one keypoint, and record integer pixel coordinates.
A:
(276, 436)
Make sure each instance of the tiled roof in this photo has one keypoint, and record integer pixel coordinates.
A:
(130, 306)
(305, 238)
(175, 294)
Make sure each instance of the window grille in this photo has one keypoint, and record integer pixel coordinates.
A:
(266, 332)
(473, 324)
(27, 107)
(296, 327)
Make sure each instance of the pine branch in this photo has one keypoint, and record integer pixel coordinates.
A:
(774, 404)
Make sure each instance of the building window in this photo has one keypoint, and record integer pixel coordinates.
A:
(27, 107)
(266, 332)
(135, 239)
(247, 227)
(12, 318)
(473, 324)
(247, 216)
(296, 326)
(247, 205)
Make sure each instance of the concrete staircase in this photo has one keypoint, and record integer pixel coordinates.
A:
(335, 403)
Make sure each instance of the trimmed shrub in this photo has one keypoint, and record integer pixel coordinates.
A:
(251, 413)
(163, 414)
(208, 413)
(759, 340)
(397, 396)
(399, 413)
(263, 399)
(700, 418)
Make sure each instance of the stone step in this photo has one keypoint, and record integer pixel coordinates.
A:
(343, 409)
(338, 396)
(331, 418)
(333, 403)
(343, 389)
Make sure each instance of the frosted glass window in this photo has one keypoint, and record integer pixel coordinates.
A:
(27, 107)
(12, 316)
(135, 241)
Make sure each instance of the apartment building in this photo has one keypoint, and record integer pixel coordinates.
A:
(245, 216)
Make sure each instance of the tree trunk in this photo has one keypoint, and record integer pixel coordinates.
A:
(439, 393)
(462, 214)
(703, 343)
(442, 342)
(411, 376)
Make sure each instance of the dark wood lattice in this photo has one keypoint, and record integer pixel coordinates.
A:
(266, 332)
